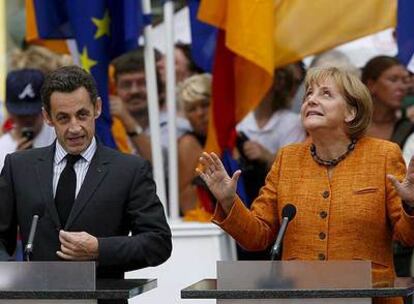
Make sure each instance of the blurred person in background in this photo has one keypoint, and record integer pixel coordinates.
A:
(386, 79)
(408, 112)
(24, 107)
(184, 65)
(266, 129)
(130, 105)
(194, 96)
(408, 102)
(38, 57)
(35, 57)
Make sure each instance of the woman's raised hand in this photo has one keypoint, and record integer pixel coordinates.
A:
(218, 181)
(405, 189)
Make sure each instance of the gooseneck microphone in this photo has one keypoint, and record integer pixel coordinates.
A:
(288, 213)
(29, 246)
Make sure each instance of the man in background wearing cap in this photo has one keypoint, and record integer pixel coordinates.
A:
(24, 106)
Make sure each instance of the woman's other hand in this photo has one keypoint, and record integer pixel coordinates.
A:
(405, 189)
(218, 181)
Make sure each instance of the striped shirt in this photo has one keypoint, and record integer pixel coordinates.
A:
(81, 166)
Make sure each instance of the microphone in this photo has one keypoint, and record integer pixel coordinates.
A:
(29, 246)
(288, 213)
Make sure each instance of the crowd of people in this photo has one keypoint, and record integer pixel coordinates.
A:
(345, 126)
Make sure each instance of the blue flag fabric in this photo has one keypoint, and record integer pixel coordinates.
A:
(103, 29)
(203, 39)
(405, 32)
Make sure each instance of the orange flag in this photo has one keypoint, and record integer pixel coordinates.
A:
(32, 36)
(256, 37)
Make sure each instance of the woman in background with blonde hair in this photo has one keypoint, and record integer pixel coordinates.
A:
(38, 57)
(194, 98)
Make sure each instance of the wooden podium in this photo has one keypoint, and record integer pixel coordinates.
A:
(63, 282)
(265, 282)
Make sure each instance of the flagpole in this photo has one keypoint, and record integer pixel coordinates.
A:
(153, 107)
(3, 57)
(171, 109)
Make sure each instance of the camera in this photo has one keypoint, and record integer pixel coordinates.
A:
(28, 133)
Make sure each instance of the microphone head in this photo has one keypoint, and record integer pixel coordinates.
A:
(289, 211)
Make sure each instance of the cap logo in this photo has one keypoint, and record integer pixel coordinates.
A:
(27, 91)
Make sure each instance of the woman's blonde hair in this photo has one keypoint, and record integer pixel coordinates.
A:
(38, 57)
(354, 92)
(194, 88)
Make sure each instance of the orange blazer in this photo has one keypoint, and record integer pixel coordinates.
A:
(352, 216)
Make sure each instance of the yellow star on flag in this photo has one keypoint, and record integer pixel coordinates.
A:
(102, 25)
(86, 62)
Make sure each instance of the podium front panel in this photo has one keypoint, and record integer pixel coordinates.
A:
(297, 301)
(310, 275)
(293, 275)
(48, 301)
(47, 276)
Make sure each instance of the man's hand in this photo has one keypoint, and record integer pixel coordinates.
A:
(77, 246)
(117, 107)
(255, 151)
(405, 189)
(120, 111)
(24, 144)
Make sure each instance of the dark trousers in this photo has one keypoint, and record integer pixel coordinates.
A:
(402, 260)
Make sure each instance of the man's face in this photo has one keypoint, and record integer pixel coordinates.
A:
(32, 122)
(73, 116)
(131, 88)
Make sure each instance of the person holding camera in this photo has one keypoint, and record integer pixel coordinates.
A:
(24, 107)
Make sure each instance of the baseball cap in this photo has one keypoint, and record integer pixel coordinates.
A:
(23, 92)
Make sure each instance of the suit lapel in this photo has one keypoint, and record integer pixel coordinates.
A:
(44, 169)
(96, 172)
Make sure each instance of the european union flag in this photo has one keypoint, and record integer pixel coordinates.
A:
(405, 33)
(103, 29)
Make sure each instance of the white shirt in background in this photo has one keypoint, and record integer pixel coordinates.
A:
(283, 128)
(9, 145)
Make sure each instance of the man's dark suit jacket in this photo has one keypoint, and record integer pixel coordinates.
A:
(117, 197)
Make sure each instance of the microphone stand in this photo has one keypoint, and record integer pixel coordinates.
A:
(29, 246)
(276, 249)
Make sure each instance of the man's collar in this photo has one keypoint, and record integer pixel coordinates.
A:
(87, 154)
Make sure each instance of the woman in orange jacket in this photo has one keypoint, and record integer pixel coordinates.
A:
(347, 208)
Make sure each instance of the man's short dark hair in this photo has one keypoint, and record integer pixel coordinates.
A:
(66, 80)
(132, 62)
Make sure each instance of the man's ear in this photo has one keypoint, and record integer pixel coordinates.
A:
(98, 107)
(46, 117)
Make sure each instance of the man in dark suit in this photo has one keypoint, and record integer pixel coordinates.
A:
(113, 193)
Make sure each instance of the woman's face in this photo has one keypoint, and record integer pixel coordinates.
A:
(182, 64)
(324, 108)
(390, 87)
(197, 113)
